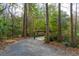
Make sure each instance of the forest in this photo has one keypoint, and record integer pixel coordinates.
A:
(40, 19)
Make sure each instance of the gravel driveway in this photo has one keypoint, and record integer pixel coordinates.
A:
(31, 47)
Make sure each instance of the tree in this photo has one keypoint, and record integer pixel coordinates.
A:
(2, 8)
(59, 23)
(12, 20)
(53, 14)
(30, 19)
(73, 43)
(76, 21)
(75, 32)
(47, 24)
(25, 21)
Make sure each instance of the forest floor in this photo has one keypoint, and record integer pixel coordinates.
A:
(36, 47)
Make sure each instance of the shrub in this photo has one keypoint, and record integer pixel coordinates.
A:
(52, 37)
(66, 41)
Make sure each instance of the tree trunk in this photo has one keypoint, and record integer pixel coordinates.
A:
(30, 21)
(47, 24)
(25, 21)
(59, 23)
(12, 21)
(75, 26)
(73, 43)
(76, 21)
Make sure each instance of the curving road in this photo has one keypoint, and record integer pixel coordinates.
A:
(31, 47)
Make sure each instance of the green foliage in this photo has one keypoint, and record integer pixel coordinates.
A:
(52, 37)
(66, 41)
(36, 22)
(53, 15)
(6, 28)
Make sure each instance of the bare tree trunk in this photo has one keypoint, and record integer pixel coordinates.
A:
(12, 20)
(59, 23)
(47, 24)
(76, 21)
(71, 23)
(73, 43)
(76, 26)
(25, 21)
(30, 21)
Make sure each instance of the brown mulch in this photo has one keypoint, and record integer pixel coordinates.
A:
(4, 43)
(74, 51)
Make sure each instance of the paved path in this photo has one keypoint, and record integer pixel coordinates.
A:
(31, 47)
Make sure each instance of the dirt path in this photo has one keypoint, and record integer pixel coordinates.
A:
(31, 47)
